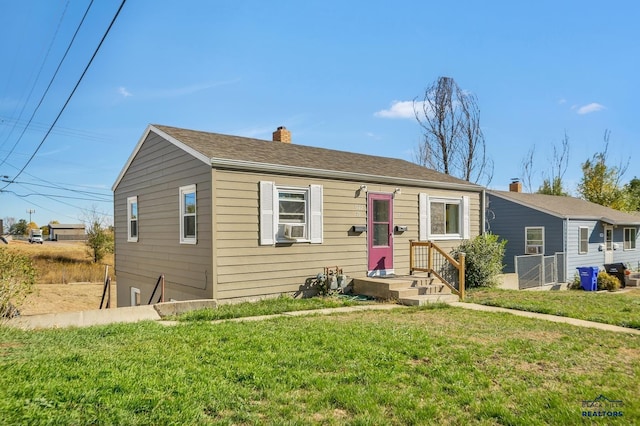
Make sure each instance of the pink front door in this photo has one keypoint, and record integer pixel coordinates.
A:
(380, 233)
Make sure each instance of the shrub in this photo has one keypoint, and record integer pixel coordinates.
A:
(607, 282)
(17, 278)
(483, 261)
(576, 284)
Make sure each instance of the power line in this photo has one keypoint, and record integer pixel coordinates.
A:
(35, 81)
(61, 186)
(53, 199)
(47, 89)
(72, 92)
(65, 131)
(78, 191)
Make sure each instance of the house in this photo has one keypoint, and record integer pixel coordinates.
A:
(67, 232)
(227, 217)
(574, 231)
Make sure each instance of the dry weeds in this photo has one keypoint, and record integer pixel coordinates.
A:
(68, 280)
(63, 262)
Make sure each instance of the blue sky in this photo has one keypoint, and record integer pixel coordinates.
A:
(338, 74)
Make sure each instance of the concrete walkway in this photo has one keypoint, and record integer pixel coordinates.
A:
(546, 317)
(157, 312)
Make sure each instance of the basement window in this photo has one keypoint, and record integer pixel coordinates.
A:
(135, 296)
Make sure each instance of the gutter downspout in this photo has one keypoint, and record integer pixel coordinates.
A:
(483, 202)
(565, 225)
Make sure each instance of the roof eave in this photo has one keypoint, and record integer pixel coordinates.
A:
(529, 205)
(619, 222)
(334, 174)
(151, 128)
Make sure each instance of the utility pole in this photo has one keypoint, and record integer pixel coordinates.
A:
(30, 211)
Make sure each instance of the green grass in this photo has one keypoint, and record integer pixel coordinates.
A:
(407, 366)
(267, 307)
(622, 309)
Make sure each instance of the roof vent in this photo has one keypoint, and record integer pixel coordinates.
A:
(282, 135)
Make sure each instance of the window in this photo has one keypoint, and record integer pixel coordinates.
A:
(188, 222)
(135, 296)
(583, 240)
(630, 238)
(534, 240)
(290, 214)
(443, 218)
(132, 219)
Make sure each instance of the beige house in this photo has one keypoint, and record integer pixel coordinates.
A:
(228, 217)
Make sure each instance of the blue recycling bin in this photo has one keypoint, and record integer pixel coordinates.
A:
(588, 277)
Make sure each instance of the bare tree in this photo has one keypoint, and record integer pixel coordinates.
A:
(527, 169)
(453, 140)
(553, 185)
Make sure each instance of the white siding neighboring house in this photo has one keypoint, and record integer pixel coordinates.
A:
(227, 217)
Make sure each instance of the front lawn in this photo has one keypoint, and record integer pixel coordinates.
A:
(270, 307)
(620, 308)
(439, 365)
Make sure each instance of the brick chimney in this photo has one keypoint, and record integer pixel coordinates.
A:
(515, 186)
(282, 135)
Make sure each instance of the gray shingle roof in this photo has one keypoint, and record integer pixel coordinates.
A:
(569, 207)
(218, 146)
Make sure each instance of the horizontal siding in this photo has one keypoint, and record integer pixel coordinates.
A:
(155, 176)
(246, 269)
(508, 220)
(594, 256)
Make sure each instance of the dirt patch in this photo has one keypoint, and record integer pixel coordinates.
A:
(56, 298)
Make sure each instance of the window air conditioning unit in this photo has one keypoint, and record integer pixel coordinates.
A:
(294, 232)
(534, 249)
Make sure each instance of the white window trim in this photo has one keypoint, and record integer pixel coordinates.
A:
(527, 245)
(307, 202)
(424, 213)
(135, 297)
(269, 210)
(188, 189)
(624, 239)
(130, 201)
(580, 228)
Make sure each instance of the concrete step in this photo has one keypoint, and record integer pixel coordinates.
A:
(633, 282)
(394, 288)
(419, 290)
(425, 299)
(379, 287)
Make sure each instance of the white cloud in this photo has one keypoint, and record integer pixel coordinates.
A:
(373, 136)
(189, 90)
(589, 108)
(124, 92)
(399, 109)
(562, 101)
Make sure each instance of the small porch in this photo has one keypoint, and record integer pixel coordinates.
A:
(434, 277)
